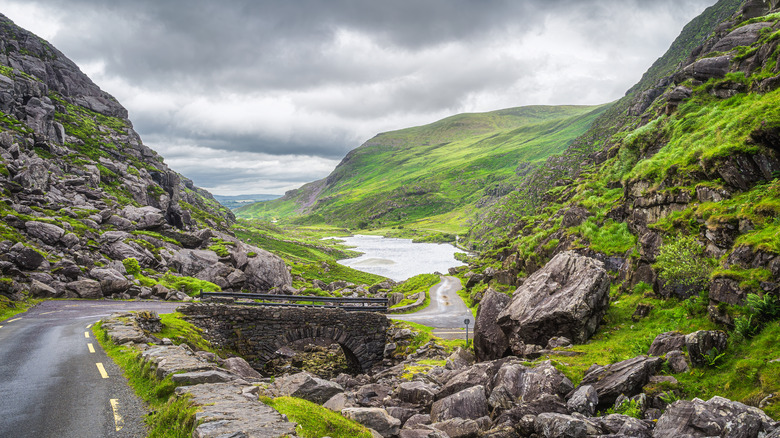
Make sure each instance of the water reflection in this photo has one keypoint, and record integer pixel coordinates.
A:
(399, 259)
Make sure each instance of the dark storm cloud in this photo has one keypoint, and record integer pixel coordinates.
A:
(315, 78)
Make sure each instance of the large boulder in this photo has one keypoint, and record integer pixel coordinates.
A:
(568, 297)
(25, 258)
(705, 343)
(552, 425)
(265, 271)
(416, 393)
(190, 262)
(524, 383)
(469, 404)
(47, 233)
(241, 367)
(490, 342)
(584, 400)
(86, 289)
(375, 418)
(717, 417)
(307, 387)
(41, 290)
(666, 342)
(621, 378)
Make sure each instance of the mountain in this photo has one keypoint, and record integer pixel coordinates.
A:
(440, 173)
(675, 193)
(89, 210)
(236, 201)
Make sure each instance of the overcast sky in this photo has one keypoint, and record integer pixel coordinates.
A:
(261, 96)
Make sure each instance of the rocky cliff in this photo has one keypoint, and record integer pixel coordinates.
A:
(82, 194)
(699, 160)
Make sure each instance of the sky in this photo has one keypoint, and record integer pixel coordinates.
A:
(262, 96)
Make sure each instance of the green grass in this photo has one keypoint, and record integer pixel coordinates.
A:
(180, 331)
(409, 176)
(170, 417)
(417, 284)
(9, 309)
(314, 421)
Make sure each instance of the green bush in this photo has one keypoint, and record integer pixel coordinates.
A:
(131, 266)
(682, 263)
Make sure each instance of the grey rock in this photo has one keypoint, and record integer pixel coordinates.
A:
(677, 362)
(568, 297)
(47, 233)
(41, 290)
(339, 402)
(707, 68)
(552, 425)
(266, 271)
(459, 359)
(470, 403)
(307, 387)
(625, 426)
(459, 428)
(86, 289)
(705, 342)
(716, 417)
(490, 342)
(742, 36)
(584, 400)
(241, 367)
(417, 420)
(26, 258)
(197, 377)
(525, 383)
(621, 378)
(666, 342)
(416, 393)
(374, 418)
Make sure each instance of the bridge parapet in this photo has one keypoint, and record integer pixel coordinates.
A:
(256, 333)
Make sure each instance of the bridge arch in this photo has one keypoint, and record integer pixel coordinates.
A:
(257, 333)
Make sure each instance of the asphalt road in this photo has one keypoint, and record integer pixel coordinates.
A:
(56, 381)
(446, 313)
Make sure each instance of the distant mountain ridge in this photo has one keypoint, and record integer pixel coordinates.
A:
(235, 201)
(445, 169)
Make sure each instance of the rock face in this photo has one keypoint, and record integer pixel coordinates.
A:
(469, 404)
(621, 378)
(490, 342)
(715, 417)
(568, 297)
(83, 190)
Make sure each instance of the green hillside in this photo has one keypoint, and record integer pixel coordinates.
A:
(447, 169)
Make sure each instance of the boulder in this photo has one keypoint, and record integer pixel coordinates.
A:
(41, 290)
(623, 425)
(707, 68)
(459, 359)
(705, 343)
(339, 402)
(568, 297)
(677, 362)
(47, 233)
(524, 383)
(416, 393)
(198, 377)
(470, 403)
(241, 367)
(374, 418)
(552, 425)
(266, 271)
(307, 387)
(461, 428)
(89, 289)
(479, 374)
(666, 342)
(25, 258)
(190, 262)
(717, 417)
(584, 400)
(490, 342)
(742, 36)
(621, 378)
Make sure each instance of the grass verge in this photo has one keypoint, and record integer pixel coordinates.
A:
(170, 417)
(314, 421)
(10, 308)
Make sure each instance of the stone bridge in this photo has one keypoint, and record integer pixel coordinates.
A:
(256, 333)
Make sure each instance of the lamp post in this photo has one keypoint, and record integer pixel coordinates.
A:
(467, 321)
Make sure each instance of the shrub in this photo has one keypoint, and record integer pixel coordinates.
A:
(682, 263)
(131, 266)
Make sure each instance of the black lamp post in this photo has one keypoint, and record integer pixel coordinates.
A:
(467, 321)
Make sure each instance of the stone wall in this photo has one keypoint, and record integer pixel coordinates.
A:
(256, 333)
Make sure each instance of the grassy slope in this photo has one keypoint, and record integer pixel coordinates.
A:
(432, 170)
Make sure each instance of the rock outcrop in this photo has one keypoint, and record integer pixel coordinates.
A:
(568, 297)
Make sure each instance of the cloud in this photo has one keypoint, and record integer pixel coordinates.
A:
(243, 80)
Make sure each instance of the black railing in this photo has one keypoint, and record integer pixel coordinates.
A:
(348, 304)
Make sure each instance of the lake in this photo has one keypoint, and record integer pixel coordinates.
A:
(399, 259)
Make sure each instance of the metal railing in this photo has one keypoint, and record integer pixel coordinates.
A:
(348, 304)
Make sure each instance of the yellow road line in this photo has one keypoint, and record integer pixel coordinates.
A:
(118, 421)
(91, 348)
(89, 326)
(1, 326)
(12, 320)
(86, 334)
(102, 370)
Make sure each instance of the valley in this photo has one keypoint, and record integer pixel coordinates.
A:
(619, 263)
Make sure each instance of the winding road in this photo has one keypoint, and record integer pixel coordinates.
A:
(56, 380)
(446, 313)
